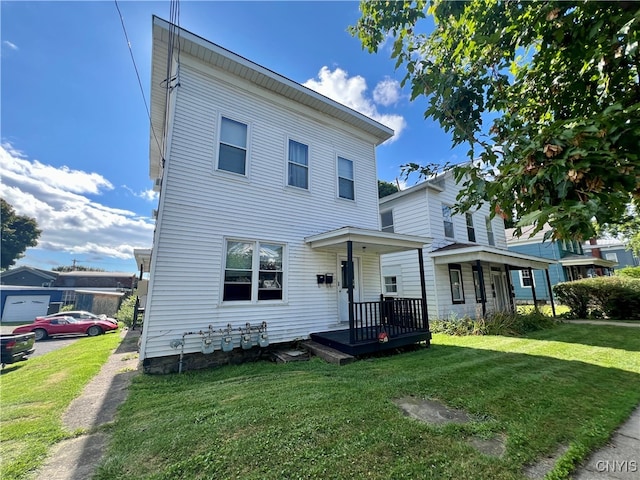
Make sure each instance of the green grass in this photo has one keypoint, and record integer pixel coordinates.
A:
(36, 393)
(544, 309)
(568, 386)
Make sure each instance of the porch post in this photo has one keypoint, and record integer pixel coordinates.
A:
(553, 305)
(533, 289)
(423, 290)
(509, 288)
(483, 294)
(352, 336)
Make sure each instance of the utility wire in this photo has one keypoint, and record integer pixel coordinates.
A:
(146, 106)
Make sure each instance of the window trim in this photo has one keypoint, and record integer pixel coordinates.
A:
(448, 219)
(255, 272)
(394, 283)
(219, 142)
(532, 278)
(288, 162)
(352, 180)
(454, 267)
(389, 227)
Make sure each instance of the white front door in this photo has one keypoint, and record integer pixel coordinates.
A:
(499, 291)
(343, 293)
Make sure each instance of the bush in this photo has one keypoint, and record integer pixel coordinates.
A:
(616, 297)
(633, 272)
(125, 312)
(499, 323)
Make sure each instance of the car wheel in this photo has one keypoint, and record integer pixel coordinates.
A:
(41, 334)
(94, 330)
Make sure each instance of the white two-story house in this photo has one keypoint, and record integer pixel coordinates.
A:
(267, 227)
(466, 266)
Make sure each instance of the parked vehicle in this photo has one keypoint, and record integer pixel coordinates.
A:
(81, 315)
(14, 348)
(45, 327)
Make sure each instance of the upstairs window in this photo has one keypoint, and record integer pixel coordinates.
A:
(471, 232)
(253, 271)
(386, 221)
(232, 151)
(298, 165)
(447, 220)
(346, 186)
(489, 231)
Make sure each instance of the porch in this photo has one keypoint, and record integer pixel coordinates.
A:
(377, 326)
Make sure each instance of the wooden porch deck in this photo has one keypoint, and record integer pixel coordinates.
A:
(340, 340)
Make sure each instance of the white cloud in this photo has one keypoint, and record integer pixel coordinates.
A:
(70, 221)
(12, 46)
(387, 92)
(351, 91)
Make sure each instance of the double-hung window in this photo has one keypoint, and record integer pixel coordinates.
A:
(447, 220)
(386, 221)
(391, 285)
(490, 238)
(298, 165)
(471, 232)
(253, 271)
(455, 279)
(232, 150)
(346, 185)
(526, 279)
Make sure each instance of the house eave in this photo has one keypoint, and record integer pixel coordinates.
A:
(587, 262)
(365, 240)
(490, 255)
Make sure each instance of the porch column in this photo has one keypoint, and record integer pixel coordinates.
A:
(533, 289)
(553, 305)
(509, 288)
(423, 290)
(483, 294)
(352, 333)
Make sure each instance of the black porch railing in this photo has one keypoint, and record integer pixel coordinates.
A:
(391, 316)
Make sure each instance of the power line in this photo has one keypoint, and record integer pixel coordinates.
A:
(146, 106)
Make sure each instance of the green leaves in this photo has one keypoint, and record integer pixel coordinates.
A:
(560, 81)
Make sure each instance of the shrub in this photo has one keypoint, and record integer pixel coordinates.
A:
(616, 297)
(499, 323)
(125, 312)
(633, 272)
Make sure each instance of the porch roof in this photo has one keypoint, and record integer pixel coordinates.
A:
(586, 261)
(143, 258)
(465, 252)
(374, 241)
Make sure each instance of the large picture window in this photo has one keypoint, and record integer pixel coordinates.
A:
(455, 279)
(232, 151)
(253, 271)
(346, 184)
(298, 165)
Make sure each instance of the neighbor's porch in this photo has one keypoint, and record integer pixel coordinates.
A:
(374, 325)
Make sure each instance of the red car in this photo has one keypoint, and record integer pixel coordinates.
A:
(45, 327)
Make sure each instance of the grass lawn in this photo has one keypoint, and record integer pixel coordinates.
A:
(569, 387)
(34, 394)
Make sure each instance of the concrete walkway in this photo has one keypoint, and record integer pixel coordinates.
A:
(77, 459)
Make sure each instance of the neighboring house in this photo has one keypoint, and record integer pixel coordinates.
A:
(268, 214)
(613, 250)
(467, 266)
(28, 277)
(24, 304)
(572, 263)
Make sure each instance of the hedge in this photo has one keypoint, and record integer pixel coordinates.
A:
(615, 297)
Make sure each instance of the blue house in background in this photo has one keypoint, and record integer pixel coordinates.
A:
(614, 250)
(573, 264)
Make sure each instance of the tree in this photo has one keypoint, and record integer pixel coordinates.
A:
(18, 233)
(546, 94)
(628, 229)
(385, 189)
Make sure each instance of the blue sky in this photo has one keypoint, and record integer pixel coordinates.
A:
(74, 129)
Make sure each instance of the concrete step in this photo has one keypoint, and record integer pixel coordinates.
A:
(328, 354)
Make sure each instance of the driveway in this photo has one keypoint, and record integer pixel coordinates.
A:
(44, 346)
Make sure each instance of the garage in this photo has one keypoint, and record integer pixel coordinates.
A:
(24, 308)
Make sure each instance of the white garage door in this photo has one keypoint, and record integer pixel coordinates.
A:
(24, 308)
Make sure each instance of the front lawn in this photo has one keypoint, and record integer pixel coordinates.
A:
(564, 389)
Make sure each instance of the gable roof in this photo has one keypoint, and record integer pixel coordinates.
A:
(46, 275)
(221, 58)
